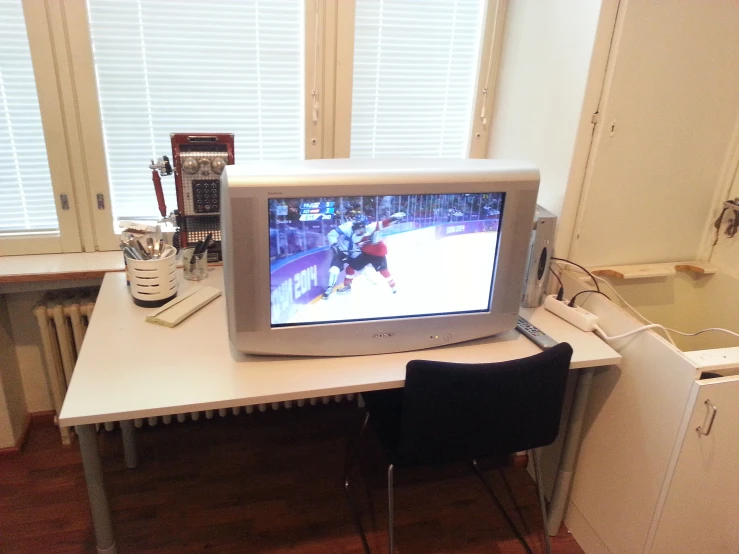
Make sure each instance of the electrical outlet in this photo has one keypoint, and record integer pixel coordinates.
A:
(577, 316)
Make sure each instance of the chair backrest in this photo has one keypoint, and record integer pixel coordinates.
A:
(459, 412)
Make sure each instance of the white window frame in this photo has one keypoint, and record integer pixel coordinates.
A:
(61, 50)
(92, 146)
(47, 57)
(492, 39)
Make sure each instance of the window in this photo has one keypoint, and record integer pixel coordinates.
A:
(163, 66)
(26, 194)
(291, 79)
(415, 75)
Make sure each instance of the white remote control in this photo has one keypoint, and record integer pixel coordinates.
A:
(534, 334)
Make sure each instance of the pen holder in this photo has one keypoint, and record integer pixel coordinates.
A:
(153, 282)
(194, 266)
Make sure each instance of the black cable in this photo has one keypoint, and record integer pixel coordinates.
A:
(556, 276)
(581, 267)
(561, 292)
(571, 303)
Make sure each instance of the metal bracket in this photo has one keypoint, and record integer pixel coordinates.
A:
(101, 201)
(162, 166)
(64, 199)
(733, 226)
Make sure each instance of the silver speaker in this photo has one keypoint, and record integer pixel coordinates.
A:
(541, 251)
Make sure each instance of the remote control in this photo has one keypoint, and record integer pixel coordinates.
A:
(534, 334)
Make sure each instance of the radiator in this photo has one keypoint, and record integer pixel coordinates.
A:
(63, 319)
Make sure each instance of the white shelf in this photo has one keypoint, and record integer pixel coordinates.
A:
(59, 267)
(646, 271)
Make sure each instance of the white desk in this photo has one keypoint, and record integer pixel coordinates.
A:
(130, 369)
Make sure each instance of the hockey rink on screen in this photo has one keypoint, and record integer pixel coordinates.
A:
(450, 274)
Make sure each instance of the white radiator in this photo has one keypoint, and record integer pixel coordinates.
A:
(63, 321)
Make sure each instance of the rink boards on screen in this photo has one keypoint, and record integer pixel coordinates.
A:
(447, 268)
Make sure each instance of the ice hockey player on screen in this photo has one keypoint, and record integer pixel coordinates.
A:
(359, 244)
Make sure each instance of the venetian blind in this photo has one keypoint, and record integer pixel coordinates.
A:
(26, 195)
(415, 72)
(216, 66)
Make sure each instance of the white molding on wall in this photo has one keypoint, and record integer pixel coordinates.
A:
(605, 37)
(493, 36)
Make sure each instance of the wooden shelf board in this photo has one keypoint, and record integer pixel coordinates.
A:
(646, 271)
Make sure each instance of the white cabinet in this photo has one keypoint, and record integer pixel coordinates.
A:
(646, 481)
(701, 504)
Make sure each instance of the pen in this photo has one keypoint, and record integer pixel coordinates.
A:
(207, 242)
(196, 252)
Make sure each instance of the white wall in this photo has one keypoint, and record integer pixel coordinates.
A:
(542, 80)
(670, 103)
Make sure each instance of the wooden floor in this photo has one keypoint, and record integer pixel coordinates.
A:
(265, 482)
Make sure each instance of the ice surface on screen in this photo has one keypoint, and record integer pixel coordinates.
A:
(378, 257)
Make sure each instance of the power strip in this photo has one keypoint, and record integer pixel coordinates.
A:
(577, 316)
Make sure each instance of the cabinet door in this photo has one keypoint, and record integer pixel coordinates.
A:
(701, 510)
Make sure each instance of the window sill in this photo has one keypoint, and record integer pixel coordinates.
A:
(59, 267)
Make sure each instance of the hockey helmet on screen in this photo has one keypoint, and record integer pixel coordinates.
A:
(359, 223)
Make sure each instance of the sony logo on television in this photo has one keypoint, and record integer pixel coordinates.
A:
(382, 335)
(274, 193)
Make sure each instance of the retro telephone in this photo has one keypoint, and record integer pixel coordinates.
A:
(198, 161)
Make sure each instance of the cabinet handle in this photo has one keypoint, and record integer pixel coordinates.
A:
(712, 410)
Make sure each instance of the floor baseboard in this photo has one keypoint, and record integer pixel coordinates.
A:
(17, 450)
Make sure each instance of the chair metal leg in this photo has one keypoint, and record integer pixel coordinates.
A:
(390, 510)
(542, 501)
(512, 497)
(351, 456)
(499, 504)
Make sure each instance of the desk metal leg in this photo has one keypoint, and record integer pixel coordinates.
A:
(563, 482)
(96, 489)
(130, 454)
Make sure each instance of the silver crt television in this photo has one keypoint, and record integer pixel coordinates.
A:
(366, 256)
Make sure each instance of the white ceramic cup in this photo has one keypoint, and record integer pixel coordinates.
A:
(153, 282)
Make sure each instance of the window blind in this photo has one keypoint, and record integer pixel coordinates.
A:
(216, 66)
(26, 195)
(415, 72)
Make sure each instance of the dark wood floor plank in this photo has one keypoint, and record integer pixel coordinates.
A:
(259, 483)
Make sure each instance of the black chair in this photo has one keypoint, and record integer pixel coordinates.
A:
(450, 412)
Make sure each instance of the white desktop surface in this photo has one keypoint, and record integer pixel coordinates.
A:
(131, 369)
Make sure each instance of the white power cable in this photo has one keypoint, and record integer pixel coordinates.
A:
(603, 335)
(633, 309)
(651, 324)
(623, 300)
(706, 330)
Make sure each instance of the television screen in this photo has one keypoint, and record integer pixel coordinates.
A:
(358, 258)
